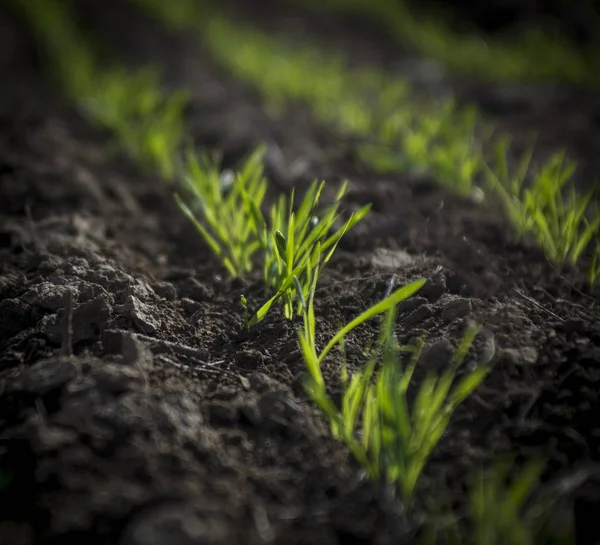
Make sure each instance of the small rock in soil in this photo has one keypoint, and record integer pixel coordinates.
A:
(116, 379)
(44, 377)
(456, 308)
(249, 359)
(47, 296)
(193, 289)
(140, 314)
(433, 289)
(410, 304)
(418, 316)
(89, 319)
(190, 306)
(109, 278)
(139, 289)
(77, 266)
(436, 356)
(166, 290)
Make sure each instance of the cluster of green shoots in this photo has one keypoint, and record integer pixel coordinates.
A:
(505, 507)
(396, 133)
(391, 436)
(143, 120)
(392, 439)
(148, 123)
(295, 241)
(527, 55)
(294, 244)
(546, 206)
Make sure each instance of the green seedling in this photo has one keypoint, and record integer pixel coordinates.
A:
(408, 435)
(536, 204)
(594, 270)
(391, 131)
(390, 439)
(217, 207)
(505, 507)
(498, 505)
(296, 244)
(143, 119)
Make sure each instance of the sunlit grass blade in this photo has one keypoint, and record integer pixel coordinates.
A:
(390, 302)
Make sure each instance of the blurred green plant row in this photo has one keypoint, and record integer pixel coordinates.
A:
(399, 133)
(526, 55)
(396, 132)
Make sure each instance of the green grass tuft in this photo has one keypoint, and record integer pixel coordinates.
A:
(545, 205)
(215, 202)
(297, 244)
(391, 439)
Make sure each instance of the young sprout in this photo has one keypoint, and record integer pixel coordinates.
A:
(498, 504)
(545, 204)
(217, 207)
(297, 244)
(391, 439)
(594, 270)
(505, 507)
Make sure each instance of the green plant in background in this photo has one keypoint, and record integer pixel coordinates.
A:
(536, 204)
(395, 131)
(215, 202)
(506, 506)
(297, 244)
(149, 124)
(497, 505)
(142, 118)
(594, 270)
(524, 56)
(391, 439)
(398, 132)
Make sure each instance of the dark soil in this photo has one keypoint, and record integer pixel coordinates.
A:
(577, 21)
(133, 408)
